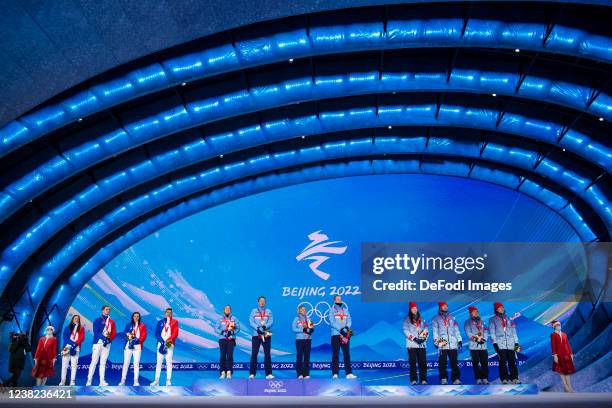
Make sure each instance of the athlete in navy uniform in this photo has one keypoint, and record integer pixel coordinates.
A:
(261, 320)
(340, 322)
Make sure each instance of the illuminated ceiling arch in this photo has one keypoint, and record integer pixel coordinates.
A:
(517, 96)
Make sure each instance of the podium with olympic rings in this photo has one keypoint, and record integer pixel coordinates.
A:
(301, 388)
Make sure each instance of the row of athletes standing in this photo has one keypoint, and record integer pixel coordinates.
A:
(446, 333)
(261, 321)
(447, 338)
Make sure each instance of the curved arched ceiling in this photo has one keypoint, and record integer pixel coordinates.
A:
(515, 94)
(84, 269)
(72, 42)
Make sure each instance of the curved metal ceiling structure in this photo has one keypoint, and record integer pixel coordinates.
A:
(516, 95)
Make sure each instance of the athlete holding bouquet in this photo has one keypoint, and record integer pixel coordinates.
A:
(416, 332)
(135, 335)
(448, 341)
(73, 337)
(104, 333)
(303, 328)
(166, 333)
(478, 335)
(227, 329)
(261, 320)
(341, 332)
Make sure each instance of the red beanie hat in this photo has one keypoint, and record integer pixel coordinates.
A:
(472, 308)
(555, 322)
(497, 305)
(412, 304)
(440, 304)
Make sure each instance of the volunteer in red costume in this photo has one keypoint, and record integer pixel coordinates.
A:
(563, 356)
(44, 359)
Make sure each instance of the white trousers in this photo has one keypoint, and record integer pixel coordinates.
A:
(71, 361)
(160, 360)
(99, 352)
(127, 356)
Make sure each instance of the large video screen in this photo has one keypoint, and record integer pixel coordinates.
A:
(301, 244)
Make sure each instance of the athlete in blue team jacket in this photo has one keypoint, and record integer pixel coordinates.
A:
(261, 320)
(447, 338)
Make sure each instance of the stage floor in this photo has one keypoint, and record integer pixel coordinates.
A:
(310, 393)
(560, 400)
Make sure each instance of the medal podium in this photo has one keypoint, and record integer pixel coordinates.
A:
(305, 388)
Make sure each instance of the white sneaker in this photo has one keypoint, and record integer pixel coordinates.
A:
(168, 383)
(300, 377)
(88, 383)
(413, 383)
(61, 384)
(136, 384)
(251, 376)
(307, 377)
(103, 383)
(335, 376)
(457, 382)
(222, 375)
(479, 381)
(228, 374)
(269, 377)
(121, 384)
(155, 383)
(444, 381)
(351, 376)
(72, 383)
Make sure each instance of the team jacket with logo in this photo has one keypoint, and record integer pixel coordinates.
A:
(174, 330)
(67, 333)
(142, 329)
(299, 323)
(472, 328)
(446, 328)
(98, 327)
(502, 331)
(339, 317)
(412, 332)
(260, 317)
(223, 322)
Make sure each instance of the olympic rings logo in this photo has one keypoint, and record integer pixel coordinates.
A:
(319, 313)
(275, 384)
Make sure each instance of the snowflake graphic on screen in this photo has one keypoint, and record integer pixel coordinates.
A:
(317, 251)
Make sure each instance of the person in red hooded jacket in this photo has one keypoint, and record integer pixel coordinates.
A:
(44, 358)
(563, 357)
